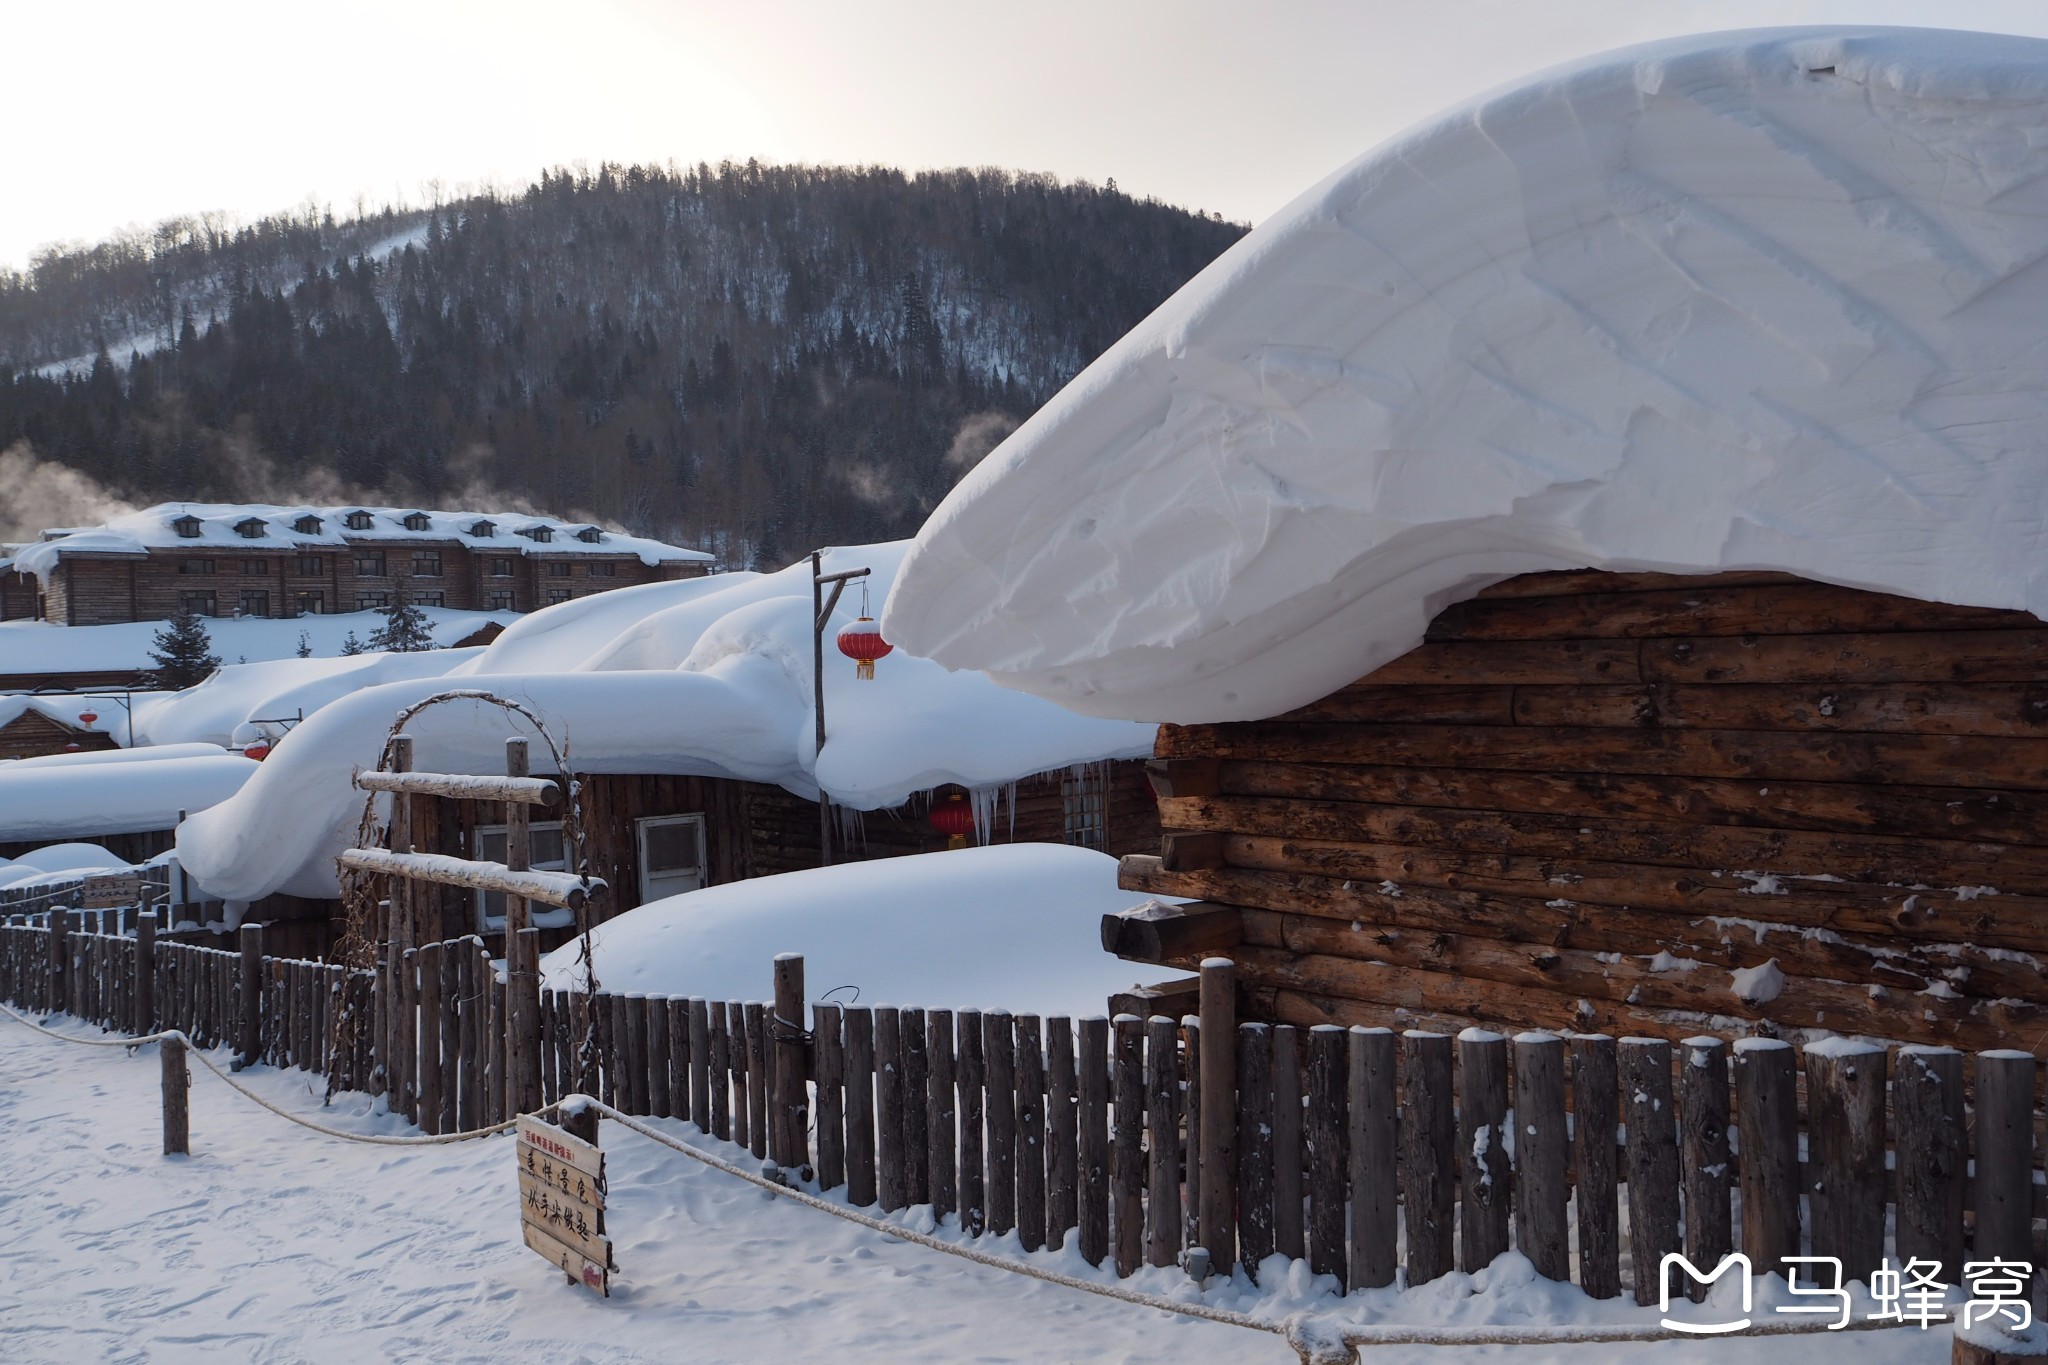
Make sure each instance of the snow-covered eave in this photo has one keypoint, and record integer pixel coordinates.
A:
(1753, 301)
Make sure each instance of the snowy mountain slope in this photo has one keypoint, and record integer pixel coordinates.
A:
(1762, 300)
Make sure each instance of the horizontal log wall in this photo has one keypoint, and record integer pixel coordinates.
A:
(1634, 802)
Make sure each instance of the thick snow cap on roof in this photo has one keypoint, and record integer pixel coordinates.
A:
(124, 791)
(1766, 300)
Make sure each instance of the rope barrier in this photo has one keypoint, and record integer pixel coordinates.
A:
(1317, 1339)
(374, 1139)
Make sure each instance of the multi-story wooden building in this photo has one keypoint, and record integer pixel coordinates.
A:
(242, 560)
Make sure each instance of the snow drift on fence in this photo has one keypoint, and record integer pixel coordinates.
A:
(1761, 300)
(1013, 926)
(709, 677)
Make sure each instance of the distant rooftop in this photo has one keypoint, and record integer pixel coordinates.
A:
(178, 525)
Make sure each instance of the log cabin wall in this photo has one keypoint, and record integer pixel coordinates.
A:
(1637, 804)
(754, 829)
(33, 734)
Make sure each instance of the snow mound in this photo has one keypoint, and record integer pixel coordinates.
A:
(1013, 927)
(1760, 300)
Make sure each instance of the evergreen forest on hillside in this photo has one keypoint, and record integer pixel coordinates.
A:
(754, 358)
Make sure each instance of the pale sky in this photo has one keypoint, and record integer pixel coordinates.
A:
(129, 111)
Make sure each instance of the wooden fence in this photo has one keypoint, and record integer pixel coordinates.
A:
(1362, 1151)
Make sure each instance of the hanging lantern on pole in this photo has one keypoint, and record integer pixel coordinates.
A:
(88, 717)
(954, 818)
(862, 641)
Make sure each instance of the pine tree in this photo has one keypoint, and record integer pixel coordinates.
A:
(404, 630)
(183, 652)
(305, 645)
(350, 644)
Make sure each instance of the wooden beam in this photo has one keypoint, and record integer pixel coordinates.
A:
(2016, 709)
(1932, 812)
(1181, 776)
(1155, 932)
(528, 791)
(1797, 608)
(1175, 999)
(1912, 759)
(1858, 857)
(1186, 852)
(563, 889)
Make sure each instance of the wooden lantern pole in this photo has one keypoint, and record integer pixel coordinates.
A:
(822, 607)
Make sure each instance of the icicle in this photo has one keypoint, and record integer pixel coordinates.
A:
(984, 800)
(853, 828)
(1010, 795)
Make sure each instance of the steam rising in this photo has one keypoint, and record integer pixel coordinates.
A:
(977, 436)
(36, 494)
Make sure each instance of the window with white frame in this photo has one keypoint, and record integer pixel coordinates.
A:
(547, 855)
(671, 855)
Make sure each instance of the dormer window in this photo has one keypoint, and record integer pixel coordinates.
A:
(540, 533)
(357, 521)
(251, 528)
(307, 526)
(482, 530)
(417, 521)
(186, 526)
(590, 535)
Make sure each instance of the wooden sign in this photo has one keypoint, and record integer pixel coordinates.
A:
(111, 890)
(561, 1202)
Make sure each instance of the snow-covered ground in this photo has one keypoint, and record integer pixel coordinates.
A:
(273, 1243)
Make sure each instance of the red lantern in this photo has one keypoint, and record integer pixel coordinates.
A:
(259, 751)
(73, 747)
(863, 643)
(954, 818)
(88, 717)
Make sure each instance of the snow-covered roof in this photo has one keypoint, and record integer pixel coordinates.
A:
(125, 791)
(241, 701)
(1014, 927)
(38, 647)
(223, 526)
(1761, 300)
(707, 677)
(67, 710)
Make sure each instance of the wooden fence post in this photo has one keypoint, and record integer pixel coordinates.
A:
(1218, 1005)
(831, 1049)
(1933, 1151)
(1162, 1133)
(1030, 1132)
(1092, 1122)
(1290, 1237)
(2005, 1156)
(177, 1127)
(1254, 1147)
(145, 973)
(941, 1135)
(1703, 1118)
(522, 1021)
(1542, 1152)
(1428, 1171)
(1063, 1171)
(248, 1038)
(917, 1166)
(1327, 1176)
(1375, 1147)
(428, 959)
(633, 1055)
(790, 1126)
(1845, 1086)
(1484, 1177)
(889, 1107)
(1767, 1127)
(700, 1063)
(1127, 1157)
(60, 959)
(1652, 1161)
(675, 1058)
(973, 1113)
(860, 1105)
(999, 1055)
